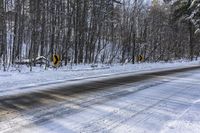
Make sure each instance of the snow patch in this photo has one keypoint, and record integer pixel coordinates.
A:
(181, 126)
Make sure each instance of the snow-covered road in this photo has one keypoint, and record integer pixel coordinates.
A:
(154, 103)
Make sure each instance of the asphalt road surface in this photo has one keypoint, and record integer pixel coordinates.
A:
(134, 103)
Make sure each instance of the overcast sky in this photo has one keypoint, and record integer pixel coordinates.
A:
(147, 1)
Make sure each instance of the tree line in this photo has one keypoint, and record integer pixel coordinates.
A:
(97, 31)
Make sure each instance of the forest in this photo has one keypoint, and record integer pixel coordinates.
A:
(98, 31)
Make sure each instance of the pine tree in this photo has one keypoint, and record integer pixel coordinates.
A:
(195, 14)
(182, 12)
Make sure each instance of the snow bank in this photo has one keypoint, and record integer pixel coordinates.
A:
(20, 81)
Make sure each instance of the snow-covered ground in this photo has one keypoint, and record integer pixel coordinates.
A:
(164, 104)
(16, 82)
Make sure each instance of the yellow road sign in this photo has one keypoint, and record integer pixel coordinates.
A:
(56, 59)
(140, 58)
